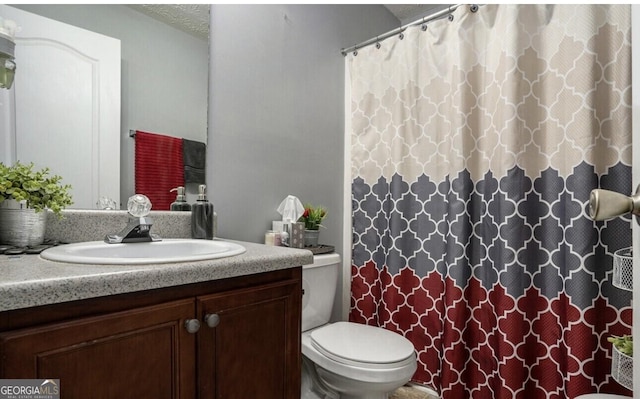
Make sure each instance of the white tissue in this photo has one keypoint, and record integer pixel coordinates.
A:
(291, 209)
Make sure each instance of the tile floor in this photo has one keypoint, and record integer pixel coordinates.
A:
(407, 392)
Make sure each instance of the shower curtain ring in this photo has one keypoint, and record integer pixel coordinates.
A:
(473, 8)
(424, 25)
(450, 17)
(355, 51)
(377, 43)
(401, 36)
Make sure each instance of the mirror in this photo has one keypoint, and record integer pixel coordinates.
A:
(163, 73)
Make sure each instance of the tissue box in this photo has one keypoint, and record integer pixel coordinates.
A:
(296, 235)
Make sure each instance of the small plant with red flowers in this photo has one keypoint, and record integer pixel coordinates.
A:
(312, 217)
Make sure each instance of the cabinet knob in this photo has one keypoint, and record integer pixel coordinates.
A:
(192, 325)
(212, 320)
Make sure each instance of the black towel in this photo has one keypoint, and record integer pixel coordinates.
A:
(194, 154)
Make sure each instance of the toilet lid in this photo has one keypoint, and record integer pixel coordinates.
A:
(359, 343)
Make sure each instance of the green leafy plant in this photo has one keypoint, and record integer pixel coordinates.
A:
(40, 190)
(624, 344)
(312, 217)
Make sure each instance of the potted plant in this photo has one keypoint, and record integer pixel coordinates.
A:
(25, 194)
(622, 360)
(312, 219)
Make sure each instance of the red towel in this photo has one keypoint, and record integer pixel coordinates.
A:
(158, 167)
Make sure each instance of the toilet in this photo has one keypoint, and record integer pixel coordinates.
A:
(346, 360)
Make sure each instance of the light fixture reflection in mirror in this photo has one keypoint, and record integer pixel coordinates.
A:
(7, 52)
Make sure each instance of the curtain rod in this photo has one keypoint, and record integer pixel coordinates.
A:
(423, 20)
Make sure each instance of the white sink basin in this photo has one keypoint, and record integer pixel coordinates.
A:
(140, 253)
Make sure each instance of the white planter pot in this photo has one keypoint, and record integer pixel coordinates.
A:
(22, 227)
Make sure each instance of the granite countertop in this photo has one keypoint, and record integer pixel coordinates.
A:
(29, 280)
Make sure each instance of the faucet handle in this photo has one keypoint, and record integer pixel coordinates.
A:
(139, 205)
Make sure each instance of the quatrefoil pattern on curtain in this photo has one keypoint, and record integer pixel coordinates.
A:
(475, 146)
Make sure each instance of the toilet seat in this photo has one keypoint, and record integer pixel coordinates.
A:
(361, 345)
(362, 372)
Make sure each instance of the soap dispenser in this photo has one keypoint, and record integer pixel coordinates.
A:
(202, 216)
(180, 204)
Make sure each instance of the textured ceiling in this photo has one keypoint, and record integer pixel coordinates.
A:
(194, 18)
(190, 18)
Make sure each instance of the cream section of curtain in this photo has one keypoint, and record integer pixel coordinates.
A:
(530, 86)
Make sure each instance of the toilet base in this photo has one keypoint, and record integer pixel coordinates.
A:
(376, 395)
(352, 389)
(312, 387)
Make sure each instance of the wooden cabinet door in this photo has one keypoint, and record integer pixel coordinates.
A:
(254, 350)
(139, 353)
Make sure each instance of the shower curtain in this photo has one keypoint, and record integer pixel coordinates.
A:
(474, 146)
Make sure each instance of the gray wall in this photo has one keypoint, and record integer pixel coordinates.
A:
(164, 74)
(276, 102)
(276, 121)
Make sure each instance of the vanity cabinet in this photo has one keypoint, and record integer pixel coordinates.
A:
(250, 350)
(232, 338)
(139, 353)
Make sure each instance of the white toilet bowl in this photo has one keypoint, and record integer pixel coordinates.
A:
(346, 360)
(358, 361)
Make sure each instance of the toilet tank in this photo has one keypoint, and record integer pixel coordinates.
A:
(319, 281)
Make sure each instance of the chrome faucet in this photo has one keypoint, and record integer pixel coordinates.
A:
(138, 228)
